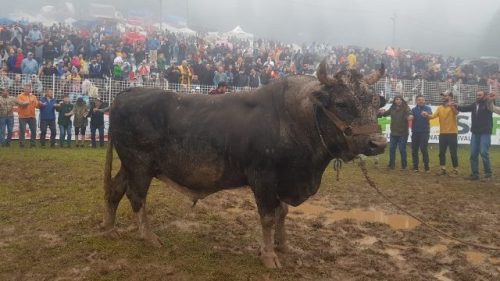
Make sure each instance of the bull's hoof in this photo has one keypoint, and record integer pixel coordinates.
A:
(282, 248)
(152, 240)
(269, 259)
(111, 233)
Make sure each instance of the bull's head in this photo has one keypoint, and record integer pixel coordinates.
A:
(346, 113)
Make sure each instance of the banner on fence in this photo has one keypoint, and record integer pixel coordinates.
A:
(464, 124)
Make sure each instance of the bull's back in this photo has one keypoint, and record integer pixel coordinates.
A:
(201, 142)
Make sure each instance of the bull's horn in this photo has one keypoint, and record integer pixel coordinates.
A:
(322, 75)
(374, 77)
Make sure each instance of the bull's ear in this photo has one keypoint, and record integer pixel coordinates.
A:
(321, 98)
(322, 75)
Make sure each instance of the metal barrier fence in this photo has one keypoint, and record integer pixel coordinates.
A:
(107, 89)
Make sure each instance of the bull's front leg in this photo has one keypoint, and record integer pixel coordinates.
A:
(267, 255)
(267, 204)
(280, 234)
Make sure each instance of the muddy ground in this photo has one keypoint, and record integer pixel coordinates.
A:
(51, 205)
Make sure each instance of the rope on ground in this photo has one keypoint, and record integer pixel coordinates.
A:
(372, 184)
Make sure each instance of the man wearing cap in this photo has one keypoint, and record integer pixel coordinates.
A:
(26, 111)
(7, 104)
(481, 126)
(448, 131)
(220, 90)
(47, 117)
(29, 66)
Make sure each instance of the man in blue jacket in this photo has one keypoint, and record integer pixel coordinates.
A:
(481, 126)
(420, 131)
(48, 118)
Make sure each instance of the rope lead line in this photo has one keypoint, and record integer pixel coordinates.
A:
(337, 166)
(372, 184)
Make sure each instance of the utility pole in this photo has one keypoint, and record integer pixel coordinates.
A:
(187, 13)
(161, 15)
(393, 18)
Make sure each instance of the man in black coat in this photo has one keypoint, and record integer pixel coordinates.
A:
(482, 124)
(96, 114)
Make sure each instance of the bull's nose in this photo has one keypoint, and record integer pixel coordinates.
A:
(376, 146)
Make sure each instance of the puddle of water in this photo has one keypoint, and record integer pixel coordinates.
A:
(439, 248)
(475, 257)
(394, 221)
(234, 210)
(309, 209)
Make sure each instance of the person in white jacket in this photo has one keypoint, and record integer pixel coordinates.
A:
(491, 104)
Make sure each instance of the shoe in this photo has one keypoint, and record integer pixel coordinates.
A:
(415, 170)
(442, 172)
(472, 178)
(454, 172)
(487, 177)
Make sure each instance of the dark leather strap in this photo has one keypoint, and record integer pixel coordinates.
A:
(349, 130)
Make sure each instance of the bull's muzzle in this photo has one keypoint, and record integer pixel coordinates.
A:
(376, 145)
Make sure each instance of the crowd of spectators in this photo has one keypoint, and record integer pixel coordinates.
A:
(73, 54)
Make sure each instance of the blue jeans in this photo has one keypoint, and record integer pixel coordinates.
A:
(101, 135)
(64, 134)
(396, 141)
(8, 122)
(480, 144)
(420, 141)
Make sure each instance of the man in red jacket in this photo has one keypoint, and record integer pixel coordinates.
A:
(220, 90)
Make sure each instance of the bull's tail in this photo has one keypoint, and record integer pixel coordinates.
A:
(108, 167)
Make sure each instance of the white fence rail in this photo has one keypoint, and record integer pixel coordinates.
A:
(109, 88)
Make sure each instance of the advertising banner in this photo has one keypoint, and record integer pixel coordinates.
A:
(464, 124)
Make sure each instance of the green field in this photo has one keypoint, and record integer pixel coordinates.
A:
(51, 205)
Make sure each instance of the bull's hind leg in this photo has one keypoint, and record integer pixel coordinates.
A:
(136, 193)
(279, 234)
(112, 198)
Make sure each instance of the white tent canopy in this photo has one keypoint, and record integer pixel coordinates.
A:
(238, 32)
(171, 28)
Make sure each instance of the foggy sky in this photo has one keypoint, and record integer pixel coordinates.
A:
(451, 27)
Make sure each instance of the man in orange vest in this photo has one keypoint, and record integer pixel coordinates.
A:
(26, 111)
